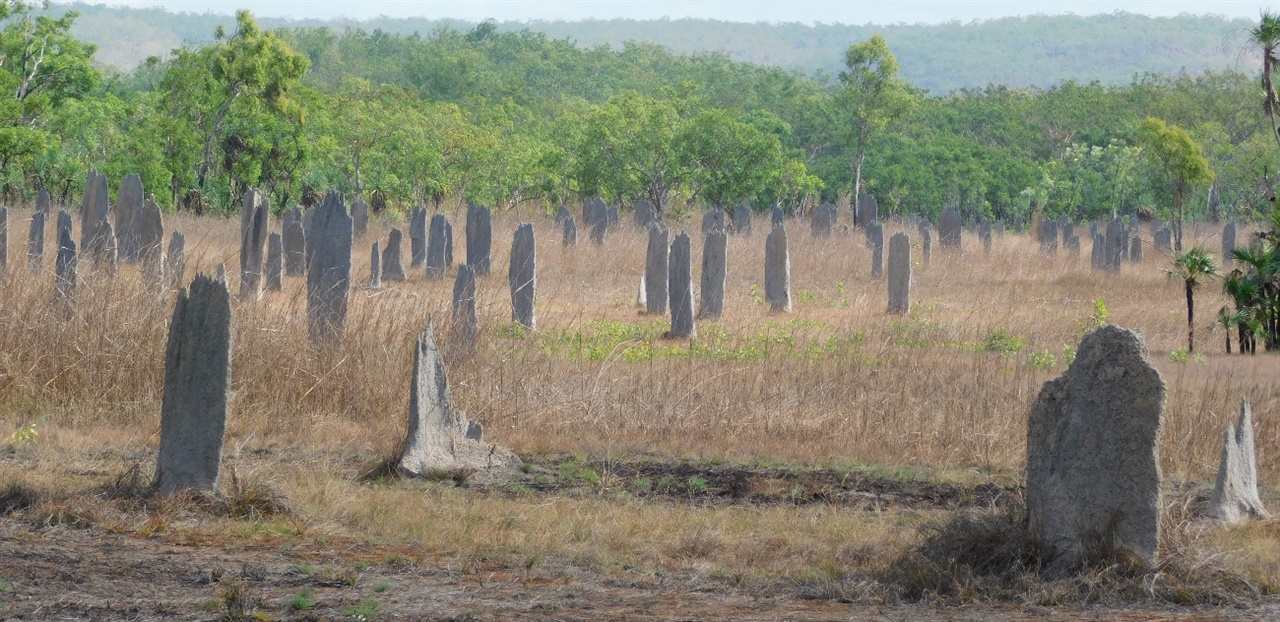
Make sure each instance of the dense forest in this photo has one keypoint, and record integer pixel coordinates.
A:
(520, 117)
(1032, 51)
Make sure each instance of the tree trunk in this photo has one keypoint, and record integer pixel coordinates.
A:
(1269, 91)
(858, 158)
(1177, 222)
(212, 138)
(359, 184)
(1191, 318)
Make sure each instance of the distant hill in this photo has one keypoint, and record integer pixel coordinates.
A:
(1032, 51)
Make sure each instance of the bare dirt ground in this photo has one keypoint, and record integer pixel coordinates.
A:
(87, 572)
(68, 574)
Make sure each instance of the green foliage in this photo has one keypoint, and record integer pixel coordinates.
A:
(871, 97)
(1042, 360)
(1100, 313)
(1001, 341)
(1181, 163)
(1089, 182)
(533, 560)
(364, 610)
(44, 68)
(24, 435)
(942, 57)
(1266, 36)
(504, 115)
(234, 99)
(1192, 267)
(629, 150)
(302, 601)
(1254, 289)
(733, 160)
(656, 148)
(578, 470)
(44, 65)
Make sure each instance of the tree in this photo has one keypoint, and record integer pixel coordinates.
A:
(1244, 289)
(1256, 293)
(1266, 35)
(252, 69)
(360, 121)
(1193, 266)
(1180, 160)
(733, 160)
(630, 149)
(41, 67)
(42, 63)
(872, 97)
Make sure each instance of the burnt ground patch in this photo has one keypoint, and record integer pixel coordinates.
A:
(714, 483)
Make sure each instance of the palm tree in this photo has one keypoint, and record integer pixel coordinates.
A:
(1266, 35)
(1227, 321)
(1242, 289)
(1242, 321)
(1258, 289)
(1193, 266)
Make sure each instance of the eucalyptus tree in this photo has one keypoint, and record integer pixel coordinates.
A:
(1180, 162)
(871, 97)
(41, 68)
(251, 73)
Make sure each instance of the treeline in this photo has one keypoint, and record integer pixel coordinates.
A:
(511, 117)
(1019, 52)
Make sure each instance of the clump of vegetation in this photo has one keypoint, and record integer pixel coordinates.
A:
(16, 496)
(240, 498)
(24, 434)
(237, 601)
(1101, 315)
(302, 601)
(1254, 290)
(1042, 360)
(1000, 340)
(364, 610)
(989, 555)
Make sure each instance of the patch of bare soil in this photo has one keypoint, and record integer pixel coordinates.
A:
(76, 570)
(701, 482)
(87, 574)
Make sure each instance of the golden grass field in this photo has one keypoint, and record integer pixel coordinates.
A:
(836, 385)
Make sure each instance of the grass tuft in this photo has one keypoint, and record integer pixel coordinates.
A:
(16, 497)
(249, 501)
(302, 601)
(236, 601)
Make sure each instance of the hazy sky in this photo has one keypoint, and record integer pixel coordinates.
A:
(806, 11)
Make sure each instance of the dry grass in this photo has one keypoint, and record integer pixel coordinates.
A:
(836, 382)
(977, 556)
